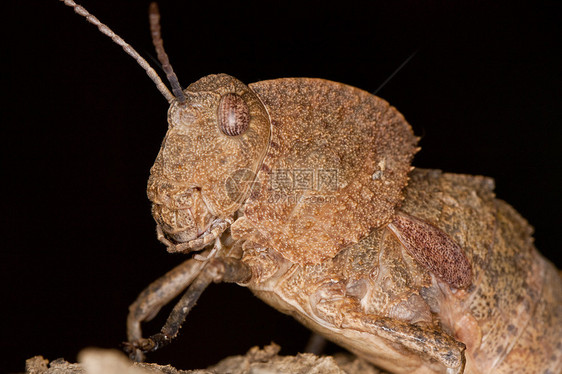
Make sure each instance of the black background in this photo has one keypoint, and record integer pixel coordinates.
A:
(82, 125)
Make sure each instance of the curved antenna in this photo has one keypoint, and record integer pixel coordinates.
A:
(154, 17)
(126, 47)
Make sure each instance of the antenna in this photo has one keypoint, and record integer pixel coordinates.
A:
(154, 17)
(128, 49)
(397, 70)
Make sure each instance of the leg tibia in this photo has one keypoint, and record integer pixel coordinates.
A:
(195, 274)
(158, 294)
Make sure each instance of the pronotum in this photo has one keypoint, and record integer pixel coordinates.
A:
(417, 313)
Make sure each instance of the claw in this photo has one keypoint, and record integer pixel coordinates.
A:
(135, 354)
(136, 349)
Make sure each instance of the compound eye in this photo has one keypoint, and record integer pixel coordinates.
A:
(234, 115)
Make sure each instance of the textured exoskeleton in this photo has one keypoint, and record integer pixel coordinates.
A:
(313, 174)
(301, 190)
(376, 300)
(414, 290)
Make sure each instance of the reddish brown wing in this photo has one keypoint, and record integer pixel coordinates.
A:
(434, 249)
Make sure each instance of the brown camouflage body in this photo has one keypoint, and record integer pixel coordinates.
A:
(509, 319)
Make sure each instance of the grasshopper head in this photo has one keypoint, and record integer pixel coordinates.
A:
(221, 129)
(218, 131)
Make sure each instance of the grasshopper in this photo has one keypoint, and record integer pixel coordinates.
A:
(303, 191)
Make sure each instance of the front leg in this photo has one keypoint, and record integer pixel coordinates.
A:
(215, 270)
(156, 295)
